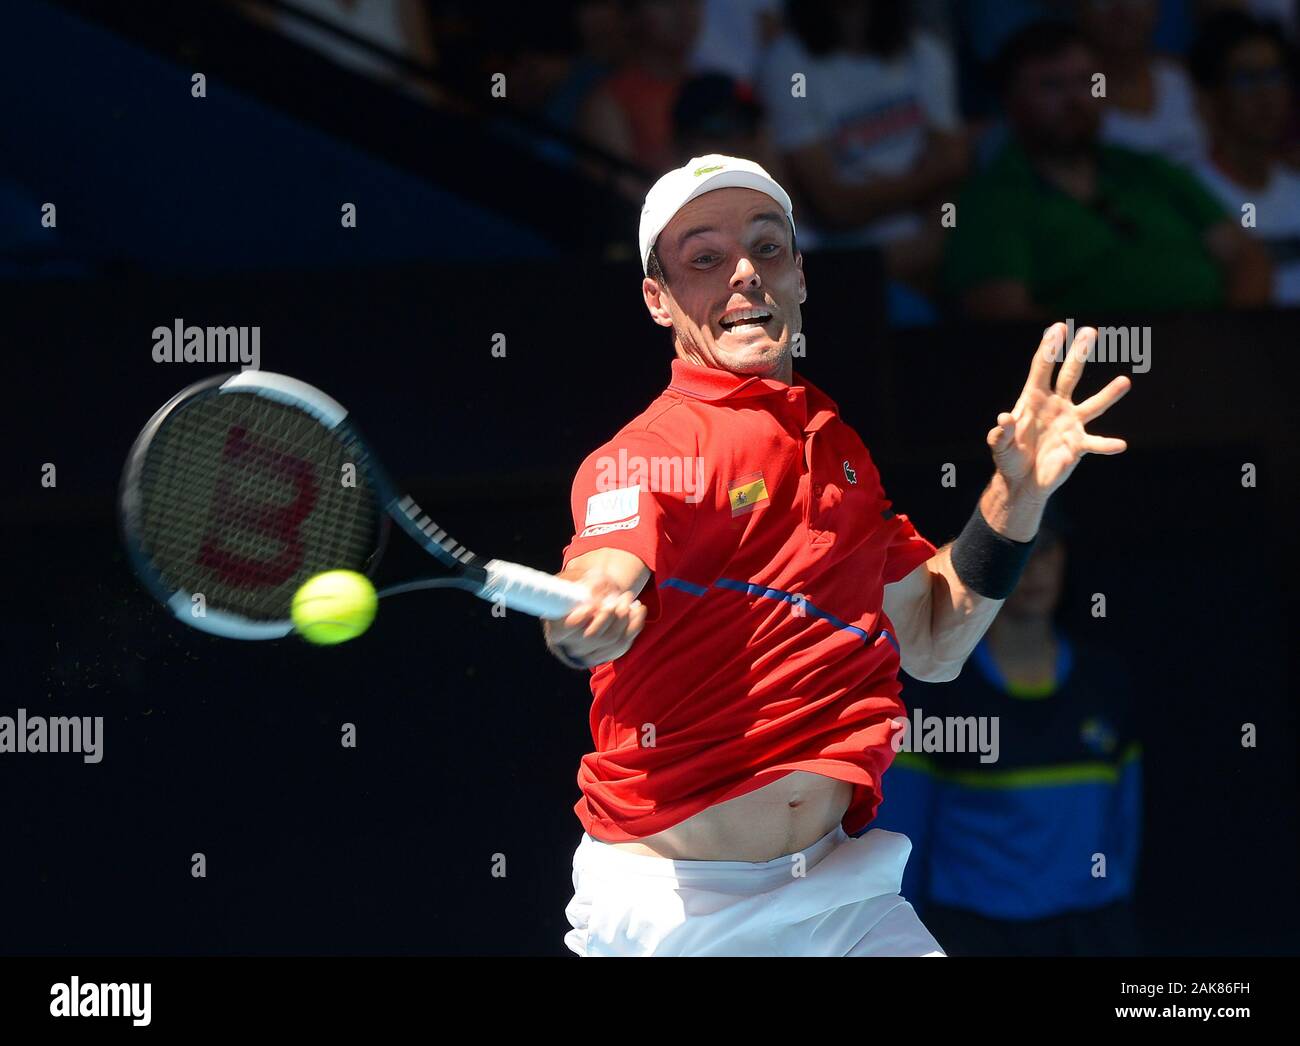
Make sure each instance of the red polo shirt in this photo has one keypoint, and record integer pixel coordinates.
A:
(766, 649)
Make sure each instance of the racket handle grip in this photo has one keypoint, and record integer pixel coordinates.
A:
(531, 591)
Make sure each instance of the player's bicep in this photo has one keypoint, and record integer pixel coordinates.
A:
(627, 497)
(908, 604)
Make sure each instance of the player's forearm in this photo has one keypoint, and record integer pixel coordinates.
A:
(1012, 515)
(959, 617)
(958, 614)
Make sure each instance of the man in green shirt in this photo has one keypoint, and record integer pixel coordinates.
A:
(1060, 224)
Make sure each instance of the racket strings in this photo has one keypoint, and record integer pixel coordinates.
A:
(244, 498)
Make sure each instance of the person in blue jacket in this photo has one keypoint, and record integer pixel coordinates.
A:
(1033, 852)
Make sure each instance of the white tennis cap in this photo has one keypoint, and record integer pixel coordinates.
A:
(702, 174)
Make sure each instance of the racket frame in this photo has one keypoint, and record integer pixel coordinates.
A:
(517, 586)
(277, 387)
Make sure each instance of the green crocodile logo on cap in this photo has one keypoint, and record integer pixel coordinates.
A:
(705, 170)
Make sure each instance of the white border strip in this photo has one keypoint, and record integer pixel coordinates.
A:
(231, 626)
(284, 389)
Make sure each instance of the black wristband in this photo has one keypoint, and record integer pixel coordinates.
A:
(986, 562)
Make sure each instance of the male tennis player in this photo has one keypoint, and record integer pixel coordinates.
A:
(745, 680)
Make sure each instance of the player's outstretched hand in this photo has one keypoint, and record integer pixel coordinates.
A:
(1038, 443)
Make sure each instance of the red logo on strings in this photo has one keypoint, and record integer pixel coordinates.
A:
(280, 523)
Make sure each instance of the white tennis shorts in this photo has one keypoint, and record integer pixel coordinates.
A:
(837, 897)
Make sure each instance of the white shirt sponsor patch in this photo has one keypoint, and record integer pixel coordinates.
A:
(605, 528)
(612, 505)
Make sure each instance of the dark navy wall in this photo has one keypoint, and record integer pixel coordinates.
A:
(143, 173)
(469, 733)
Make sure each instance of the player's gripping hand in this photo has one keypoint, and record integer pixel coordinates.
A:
(605, 628)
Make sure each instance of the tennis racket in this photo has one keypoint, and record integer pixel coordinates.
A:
(244, 486)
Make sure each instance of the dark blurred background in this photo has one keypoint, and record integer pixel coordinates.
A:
(479, 215)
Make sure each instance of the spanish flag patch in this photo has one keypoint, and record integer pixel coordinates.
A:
(746, 493)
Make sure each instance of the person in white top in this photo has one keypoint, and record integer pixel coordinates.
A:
(403, 26)
(733, 35)
(1240, 65)
(863, 113)
(1150, 105)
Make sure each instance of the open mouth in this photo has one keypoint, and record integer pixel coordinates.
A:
(746, 320)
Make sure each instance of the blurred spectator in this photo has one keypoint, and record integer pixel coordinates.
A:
(733, 36)
(715, 114)
(983, 28)
(402, 26)
(876, 141)
(548, 61)
(986, 25)
(938, 18)
(598, 29)
(1149, 103)
(1285, 13)
(989, 24)
(630, 113)
(1060, 225)
(1242, 66)
(1005, 853)
(553, 58)
(535, 66)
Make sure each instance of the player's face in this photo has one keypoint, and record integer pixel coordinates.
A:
(727, 250)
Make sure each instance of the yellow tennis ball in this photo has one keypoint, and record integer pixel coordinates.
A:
(334, 607)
